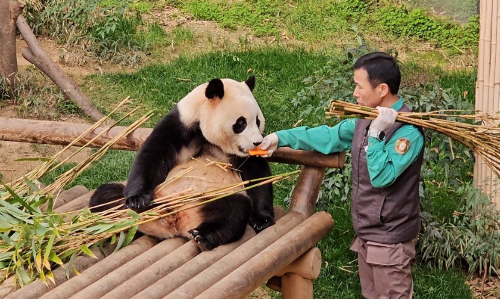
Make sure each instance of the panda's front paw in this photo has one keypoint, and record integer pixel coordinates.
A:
(205, 241)
(261, 222)
(138, 202)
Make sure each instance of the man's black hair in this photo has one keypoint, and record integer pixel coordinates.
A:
(381, 68)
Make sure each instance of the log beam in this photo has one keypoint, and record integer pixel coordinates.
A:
(63, 133)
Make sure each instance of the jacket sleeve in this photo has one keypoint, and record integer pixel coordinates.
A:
(323, 139)
(386, 162)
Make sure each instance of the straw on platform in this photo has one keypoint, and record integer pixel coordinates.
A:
(478, 131)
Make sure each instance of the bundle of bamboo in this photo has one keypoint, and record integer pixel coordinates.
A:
(478, 131)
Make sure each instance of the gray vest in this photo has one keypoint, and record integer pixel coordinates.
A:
(390, 214)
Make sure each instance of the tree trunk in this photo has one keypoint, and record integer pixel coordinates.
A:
(9, 11)
(36, 55)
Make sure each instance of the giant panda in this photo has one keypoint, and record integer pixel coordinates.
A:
(217, 121)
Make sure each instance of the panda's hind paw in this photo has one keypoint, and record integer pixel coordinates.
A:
(262, 222)
(204, 241)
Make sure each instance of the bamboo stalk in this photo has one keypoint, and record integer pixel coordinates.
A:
(483, 140)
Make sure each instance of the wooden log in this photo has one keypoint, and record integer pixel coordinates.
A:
(297, 287)
(38, 288)
(51, 132)
(37, 56)
(9, 12)
(155, 272)
(70, 194)
(237, 257)
(95, 272)
(197, 264)
(190, 269)
(269, 261)
(306, 190)
(113, 279)
(76, 204)
(274, 283)
(307, 265)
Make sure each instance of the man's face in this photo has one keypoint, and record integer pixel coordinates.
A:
(364, 93)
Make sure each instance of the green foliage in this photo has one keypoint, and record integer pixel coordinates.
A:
(471, 239)
(316, 20)
(402, 21)
(109, 29)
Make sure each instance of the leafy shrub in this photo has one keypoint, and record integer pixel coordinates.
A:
(471, 239)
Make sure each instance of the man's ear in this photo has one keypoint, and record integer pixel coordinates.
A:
(383, 89)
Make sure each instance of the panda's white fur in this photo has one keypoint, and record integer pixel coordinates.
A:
(217, 121)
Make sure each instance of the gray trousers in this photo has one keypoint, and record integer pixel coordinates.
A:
(385, 269)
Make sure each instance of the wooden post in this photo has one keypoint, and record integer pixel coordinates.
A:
(306, 190)
(9, 12)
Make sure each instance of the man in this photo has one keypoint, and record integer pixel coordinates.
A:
(386, 160)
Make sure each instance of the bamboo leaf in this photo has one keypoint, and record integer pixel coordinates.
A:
(38, 262)
(22, 276)
(50, 276)
(87, 251)
(48, 249)
(121, 240)
(43, 159)
(53, 257)
(133, 214)
(17, 198)
(31, 185)
(130, 235)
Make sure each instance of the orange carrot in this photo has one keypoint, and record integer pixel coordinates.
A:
(257, 152)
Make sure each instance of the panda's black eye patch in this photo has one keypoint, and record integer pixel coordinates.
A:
(258, 122)
(240, 125)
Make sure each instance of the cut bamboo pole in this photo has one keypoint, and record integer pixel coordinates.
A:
(155, 272)
(237, 257)
(280, 253)
(92, 274)
(115, 278)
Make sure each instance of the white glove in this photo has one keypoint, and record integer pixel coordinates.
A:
(385, 119)
(270, 143)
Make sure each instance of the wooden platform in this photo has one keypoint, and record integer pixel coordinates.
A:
(283, 254)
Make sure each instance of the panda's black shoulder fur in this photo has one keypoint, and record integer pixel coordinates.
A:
(157, 156)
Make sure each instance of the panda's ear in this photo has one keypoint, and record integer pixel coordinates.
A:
(215, 88)
(251, 82)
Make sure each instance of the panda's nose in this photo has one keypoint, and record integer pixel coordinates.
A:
(257, 143)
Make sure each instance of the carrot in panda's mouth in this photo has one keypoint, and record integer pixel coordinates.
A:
(257, 152)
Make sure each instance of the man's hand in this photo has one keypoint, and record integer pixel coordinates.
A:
(385, 119)
(270, 143)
